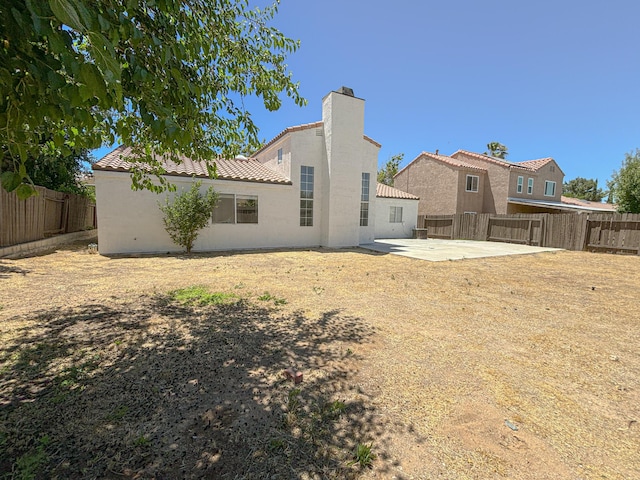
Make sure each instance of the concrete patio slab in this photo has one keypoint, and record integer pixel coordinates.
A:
(438, 250)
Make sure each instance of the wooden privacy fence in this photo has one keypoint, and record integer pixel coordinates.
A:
(610, 232)
(46, 214)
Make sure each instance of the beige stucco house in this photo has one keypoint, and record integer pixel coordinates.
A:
(312, 185)
(468, 182)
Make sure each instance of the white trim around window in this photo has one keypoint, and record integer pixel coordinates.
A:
(530, 186)
(520, 184)
(472, 183)
(233, 208)
(549, 188)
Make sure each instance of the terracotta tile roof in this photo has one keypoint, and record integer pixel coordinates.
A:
(531, 165)
(534, 164)
(371, 140)
(453, 162)
(239, 169)
(588, 204)
(484, 158)
(385, 191)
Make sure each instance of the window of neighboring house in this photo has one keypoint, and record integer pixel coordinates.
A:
(364, 201)
(472, 183)
(306, 196)
(395, 214)
(470, 213)
(549, 188)
(279, 156)
(520, 183)
(530, 186)
(236, 209)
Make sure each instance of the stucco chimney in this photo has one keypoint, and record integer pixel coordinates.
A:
(343, 122)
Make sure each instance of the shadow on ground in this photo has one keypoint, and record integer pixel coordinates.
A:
(156, 389)
(7, 270)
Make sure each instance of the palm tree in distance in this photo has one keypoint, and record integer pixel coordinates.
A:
(498, 150)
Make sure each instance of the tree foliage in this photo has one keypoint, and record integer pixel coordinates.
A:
(624, 185)
(584, 188)
(164, 76)
(498, 150)
(187, 214)
(390, 169)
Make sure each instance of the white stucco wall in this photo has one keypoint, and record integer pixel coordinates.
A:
(132, 221)
(386, 229)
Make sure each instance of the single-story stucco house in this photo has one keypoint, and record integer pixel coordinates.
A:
(312, 185)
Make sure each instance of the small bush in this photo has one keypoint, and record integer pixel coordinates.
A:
(187, 214)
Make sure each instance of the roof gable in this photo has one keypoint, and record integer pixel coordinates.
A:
(299, 128)
(239, 169)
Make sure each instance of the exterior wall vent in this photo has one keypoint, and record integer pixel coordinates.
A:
(319, 132)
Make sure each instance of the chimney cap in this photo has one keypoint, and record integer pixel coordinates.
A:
(346, 91)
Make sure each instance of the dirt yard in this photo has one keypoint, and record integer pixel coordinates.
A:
(522, 367)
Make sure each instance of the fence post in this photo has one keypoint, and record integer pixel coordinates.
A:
(65, 215)
(586, 232)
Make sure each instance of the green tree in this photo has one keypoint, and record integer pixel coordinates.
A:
(167, 77)
(498, 150)
(624, 185)
(584, 188)
(187, 214)
(390, 169)
(55, 171)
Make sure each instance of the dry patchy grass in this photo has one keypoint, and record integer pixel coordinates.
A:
(105, 374)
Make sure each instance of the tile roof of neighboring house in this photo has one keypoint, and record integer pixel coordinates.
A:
(531, 165)
(485, 158)
(588, 204)
(239, 169)
(385, 191)
(305, 126)
(535, 164)
(453, 162)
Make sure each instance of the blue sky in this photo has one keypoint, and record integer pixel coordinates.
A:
(547, 78)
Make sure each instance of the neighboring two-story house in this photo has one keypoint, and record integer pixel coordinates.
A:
(312, 185)
(468, 182)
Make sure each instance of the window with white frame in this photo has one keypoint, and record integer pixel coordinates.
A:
(530, 186)
(549, 188)
(472, 183)
(395, 214)
(520, 184)
(364, 200)
(279, 156)
(306, 196)
(236, 209)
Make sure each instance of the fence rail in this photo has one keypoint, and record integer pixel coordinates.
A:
(46, 214)
(610, 232)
